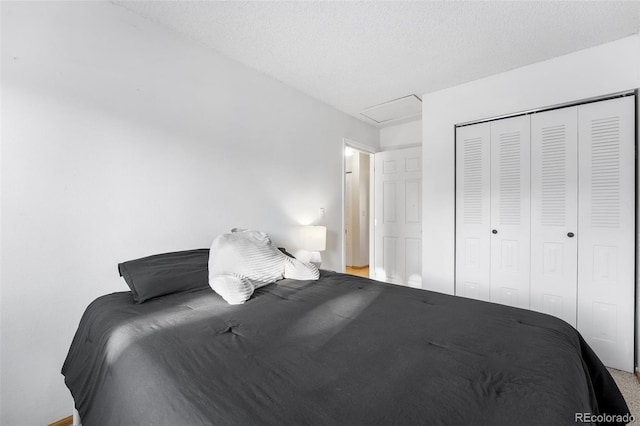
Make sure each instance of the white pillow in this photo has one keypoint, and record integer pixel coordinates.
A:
(234, 289)
(298, 270)
(249, 254)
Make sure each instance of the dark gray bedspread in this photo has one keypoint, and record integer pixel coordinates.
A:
(339, 351)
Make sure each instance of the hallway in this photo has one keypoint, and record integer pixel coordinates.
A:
(361, 272)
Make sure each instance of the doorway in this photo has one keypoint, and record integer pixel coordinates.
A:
(358, 202)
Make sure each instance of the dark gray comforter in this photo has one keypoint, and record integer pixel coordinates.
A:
(339, 351)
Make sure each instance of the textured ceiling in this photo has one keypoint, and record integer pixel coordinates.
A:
(353, 55)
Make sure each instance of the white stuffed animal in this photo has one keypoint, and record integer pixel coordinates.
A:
(243, 260)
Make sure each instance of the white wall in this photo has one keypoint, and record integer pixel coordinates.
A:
(401, 136)
(121, 140)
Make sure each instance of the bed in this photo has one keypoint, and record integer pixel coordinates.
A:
(340, 350)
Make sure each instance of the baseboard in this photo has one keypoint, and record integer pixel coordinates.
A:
(67, 421)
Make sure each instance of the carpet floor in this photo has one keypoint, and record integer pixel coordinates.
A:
(630, 388)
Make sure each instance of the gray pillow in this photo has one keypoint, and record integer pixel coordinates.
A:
(166, 273)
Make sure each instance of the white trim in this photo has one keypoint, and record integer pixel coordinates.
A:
(343, 242)
(356, 145)
(372, 214)
(631, 92)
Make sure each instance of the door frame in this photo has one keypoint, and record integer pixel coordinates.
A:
(349, 143)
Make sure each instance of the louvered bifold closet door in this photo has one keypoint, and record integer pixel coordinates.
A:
(510, 211)
(473, 187)
(606, 234)
(554, 213)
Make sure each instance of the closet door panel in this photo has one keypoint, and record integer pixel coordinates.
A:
(607, 229)
(554, 213)
(510, 211)
(472, 211)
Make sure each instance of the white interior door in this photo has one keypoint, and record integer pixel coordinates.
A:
(398, 217)
(606, 254)
(473, 218)
(510, 211)
(554, 213)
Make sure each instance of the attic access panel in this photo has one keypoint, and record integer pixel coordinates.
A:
(408, 106)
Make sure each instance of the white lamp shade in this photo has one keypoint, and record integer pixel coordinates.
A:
(314, 238)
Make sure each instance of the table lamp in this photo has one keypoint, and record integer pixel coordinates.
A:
(314, 240)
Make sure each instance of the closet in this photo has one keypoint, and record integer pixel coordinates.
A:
(545, 218)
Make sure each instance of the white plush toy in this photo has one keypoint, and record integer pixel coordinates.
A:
(243, 260)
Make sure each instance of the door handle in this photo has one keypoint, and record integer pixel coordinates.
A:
(494, 231)
(570, 234)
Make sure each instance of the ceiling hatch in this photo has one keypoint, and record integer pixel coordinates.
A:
(398, 109)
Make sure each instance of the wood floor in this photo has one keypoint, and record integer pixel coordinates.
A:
(67, 421)
(359, 271)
